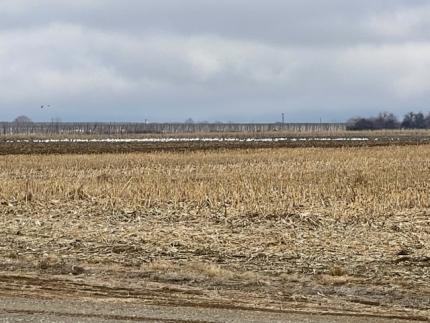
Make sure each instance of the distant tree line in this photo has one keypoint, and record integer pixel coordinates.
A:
(22, 120)
(387, 120)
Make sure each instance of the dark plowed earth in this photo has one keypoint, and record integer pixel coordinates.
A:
(14, 148)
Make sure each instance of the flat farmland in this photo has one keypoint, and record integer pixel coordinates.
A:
(313, 229)
(186, 142)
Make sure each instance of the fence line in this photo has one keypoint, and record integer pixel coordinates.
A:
(13, 128)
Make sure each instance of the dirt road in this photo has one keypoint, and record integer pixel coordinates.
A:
(15, 309)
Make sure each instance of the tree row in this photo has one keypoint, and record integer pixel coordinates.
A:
(387, 120)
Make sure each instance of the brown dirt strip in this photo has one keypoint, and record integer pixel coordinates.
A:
(28, 148)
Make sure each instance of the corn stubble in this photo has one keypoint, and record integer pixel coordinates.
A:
(339, 182)
(263, 221)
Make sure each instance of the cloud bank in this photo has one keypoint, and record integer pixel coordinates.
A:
(213, 60)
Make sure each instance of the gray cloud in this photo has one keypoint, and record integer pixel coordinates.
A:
(232, 60)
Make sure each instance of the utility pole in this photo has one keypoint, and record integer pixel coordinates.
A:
(283, 118)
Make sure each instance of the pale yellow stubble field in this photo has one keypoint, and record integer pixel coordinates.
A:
(339, 181)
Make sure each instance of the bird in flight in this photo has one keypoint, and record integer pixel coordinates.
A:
(45, 106)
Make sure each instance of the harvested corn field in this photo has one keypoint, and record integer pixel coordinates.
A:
(315, 229)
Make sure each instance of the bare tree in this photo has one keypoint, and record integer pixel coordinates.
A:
(386, 120)
(414, 120)
(359, 123)
(22, 120)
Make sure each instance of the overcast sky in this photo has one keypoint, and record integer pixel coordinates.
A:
(238, 60)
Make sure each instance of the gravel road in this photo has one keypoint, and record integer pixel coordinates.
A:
(16, 309)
